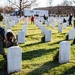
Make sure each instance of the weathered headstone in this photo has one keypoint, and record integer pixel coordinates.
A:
(64, 52)
(39, 25)
(48, 35)
(13, 22)
(59, 28)
(21, 37)
(43, 29)
(14, 59)
(24, 28)
(9, 25)
(64, 25)
(53, 25)
(71, 34)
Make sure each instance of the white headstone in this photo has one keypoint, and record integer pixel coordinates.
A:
(48, 35)
(13, 22)
(14, 59)
(43, 29)
(4, 21)
(9, 25)
(59, 28)
(71, 34)
(36, 22)
(21, 37)
(64, 25)
(39, 25)
(53, 25)
(64, 51)
(24, 28)
(26, 22)
(48, 23)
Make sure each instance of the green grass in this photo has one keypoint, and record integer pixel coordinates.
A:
(37, 56)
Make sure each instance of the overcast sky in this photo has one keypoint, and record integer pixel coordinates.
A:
(43, 3)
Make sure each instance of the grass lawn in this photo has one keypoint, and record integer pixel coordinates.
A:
(37, 56)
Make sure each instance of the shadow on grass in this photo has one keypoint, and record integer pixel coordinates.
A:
(32, 28)
(70, 71)
(45, 68)
(33, 34)
(36, 53)
(32, 44)
(57, 42)
(72, 44)
(16, 29)
(3, 69)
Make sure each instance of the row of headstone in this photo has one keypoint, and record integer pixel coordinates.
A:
(47, 33)
(11, 20)
(14, 56)
(52, 20)
(14, 53)
(60, 27)
(22, 33)
(64, 46)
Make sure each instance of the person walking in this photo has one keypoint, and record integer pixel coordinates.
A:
(32, 19)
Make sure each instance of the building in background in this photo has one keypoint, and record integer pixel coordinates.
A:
(36, 12)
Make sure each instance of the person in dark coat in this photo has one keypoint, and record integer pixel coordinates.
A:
(2, 37)
(44, 19)
(70, 20)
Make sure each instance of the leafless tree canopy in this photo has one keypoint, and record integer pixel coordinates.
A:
(67, 3)
(49, 2)
(20, 4)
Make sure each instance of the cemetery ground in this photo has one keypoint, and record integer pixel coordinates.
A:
(37, 56)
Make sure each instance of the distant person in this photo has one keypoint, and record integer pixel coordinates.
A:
(44, 19)
(64, 20)
(32, 19)
(70, 20)
(10, 39)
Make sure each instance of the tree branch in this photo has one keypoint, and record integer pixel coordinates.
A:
(14, 4)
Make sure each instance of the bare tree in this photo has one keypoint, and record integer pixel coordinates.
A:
(21, 4)
(49, 2)
(66, 3)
